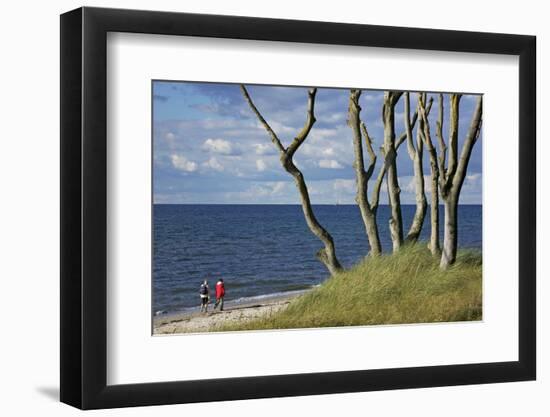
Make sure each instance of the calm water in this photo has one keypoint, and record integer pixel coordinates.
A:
(262, 249)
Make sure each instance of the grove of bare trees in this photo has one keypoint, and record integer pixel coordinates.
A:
(448, 170)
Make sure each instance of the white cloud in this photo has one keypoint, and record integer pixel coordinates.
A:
(335, 117)
(330, 164)
(346, 186)
(470, 193)
(472, 184)
(264, 148)
(260, 165)
(268, 192)
(219, 146)
(278, 127)
(408, 184)
(182, 163)
(342, 191)
(214, 164)
(216, 124)
(278, 188)
(338, 147)
(369, 96)
(473, 178)
(170, 137)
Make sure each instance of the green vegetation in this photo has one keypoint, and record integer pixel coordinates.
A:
(408, 287)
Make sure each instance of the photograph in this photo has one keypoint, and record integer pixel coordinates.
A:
(293, 207)
(269, 209)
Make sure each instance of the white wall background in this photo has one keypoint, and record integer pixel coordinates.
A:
(29, 225)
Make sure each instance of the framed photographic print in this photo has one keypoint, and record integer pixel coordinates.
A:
(256, 207)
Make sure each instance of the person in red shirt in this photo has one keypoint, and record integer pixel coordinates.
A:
(220, 293)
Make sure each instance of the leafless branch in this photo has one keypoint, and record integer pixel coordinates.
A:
(272, 134)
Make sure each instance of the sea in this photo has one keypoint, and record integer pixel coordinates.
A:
(263, 250)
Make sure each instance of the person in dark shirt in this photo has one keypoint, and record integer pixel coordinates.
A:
(204, 292)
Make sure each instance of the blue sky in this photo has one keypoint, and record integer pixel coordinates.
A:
(208, 146)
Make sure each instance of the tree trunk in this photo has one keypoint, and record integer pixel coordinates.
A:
(453, 136)
(424, 129)
(456, 179)
(326, 255)
(416, 154)
(421, 204)
(434, 212)
(448, 255)
(396, 222)
(362, 177)
(381, 174)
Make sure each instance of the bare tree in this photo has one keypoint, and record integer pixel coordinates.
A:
(416, 154)
(390, 154)
(452, 179)
(368, 211)
(424, 131)
(403, 136)
(326, 255)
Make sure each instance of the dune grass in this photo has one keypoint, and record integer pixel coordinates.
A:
(407, 287)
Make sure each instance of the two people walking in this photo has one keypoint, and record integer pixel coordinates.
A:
(204, 293)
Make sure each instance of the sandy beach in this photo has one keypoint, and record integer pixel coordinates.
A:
(197, 322)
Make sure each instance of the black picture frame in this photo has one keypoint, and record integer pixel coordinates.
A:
(84, 207)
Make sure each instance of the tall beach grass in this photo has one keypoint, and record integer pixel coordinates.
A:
(407, 287)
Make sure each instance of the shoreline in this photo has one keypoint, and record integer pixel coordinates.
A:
(197, 322)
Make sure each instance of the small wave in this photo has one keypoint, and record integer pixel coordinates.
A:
(238, 301)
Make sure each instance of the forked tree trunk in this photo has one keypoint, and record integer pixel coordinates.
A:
(327, 254)
(416, 154)
(424, 130)
(388, 115)
(455, 178)
(368, 213)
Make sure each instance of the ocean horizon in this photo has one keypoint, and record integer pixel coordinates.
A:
(293, 204)
(265, 249)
